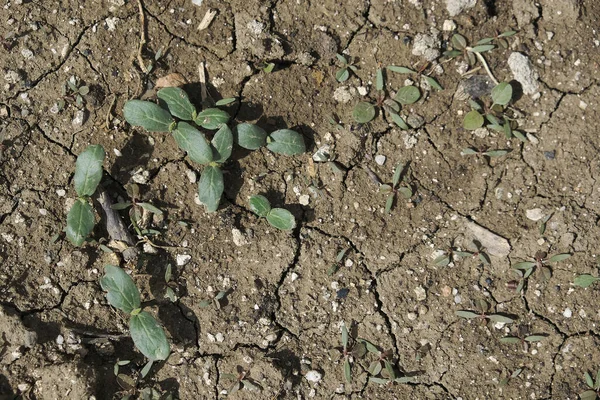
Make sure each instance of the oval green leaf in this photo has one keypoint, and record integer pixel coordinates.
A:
(80, 222)
(88, 170)
(458, 41)
(473, 120)
(502, 93)
(149, 337)
(260, 205)
(281, 218)
(559, 257)
(250, 136)
(286, 141)
(192, 141)
(342, 75)
(585, 280)
(121, 290)
(482, 48)
(148, 115)
(224, 102)
(178, 102)
(223, 144)
(400, 70)
(467, 314)
(399, 121)
(212, 118)
(210, 188)
(363, 112)
(433, 83)
(408, 95)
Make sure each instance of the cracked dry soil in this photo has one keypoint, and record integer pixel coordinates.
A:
(59, 337)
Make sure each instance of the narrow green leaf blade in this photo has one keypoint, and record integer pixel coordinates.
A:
(224, 102)
(500, 318)
(347, 371)
(379, 79)
(496, 153)
(524, 265)
(467, 314)
(260, 205)
(149, 337)
(344, 336)
(223, 144)
(146, 368)
(286, 141)
(281, 218)
(80, 222)
(192, 141)
(400, 70)
(88, 170)
(588, 379)
(122, 292)
(210, 188)
(408, 95)
(212, 118)
(433, 83)
(148, 115)
(585, 280)
(389, 203)
(535, 338)
(502, 93)
(250, 136)
(482, 48)
(151, 208)
(397, 174)
(559, 257)
(510, 340)
(399, 121)
(177, 102)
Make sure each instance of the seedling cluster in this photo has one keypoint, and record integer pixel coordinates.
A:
(279, 218)
(540, 262)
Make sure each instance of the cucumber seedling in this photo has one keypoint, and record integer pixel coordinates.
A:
(279, 218)
(594, 392)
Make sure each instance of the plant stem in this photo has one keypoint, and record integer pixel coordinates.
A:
(485, 65)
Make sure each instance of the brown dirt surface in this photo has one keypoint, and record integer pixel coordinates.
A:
(279, 325)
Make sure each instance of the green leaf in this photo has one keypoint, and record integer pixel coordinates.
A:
(389, 203)
(475, 105)
(342, 59)
(442, 260)
(433, 83)
(250, 136)
(397, 174)
(469, 151)
(148, 115)
(371, 348)
(192, 141)
(559, 257)
(458, 41)
(122, 292)
(379, 381)
(344, 336)
(500, 318)
(408, 95)
(588, 395)
(389, 369)
(168, 273)
(496, 153)
(281, 218)
(286, 141)
(149, 337)
(151, 208)
(210, 187)
(467, 314)
(121, 206)
(507, 33)
(452, 53)
(406, 192)
(269, 68)
(399, 121)
(524, 265)
(146, 368)
(249, 385)
(212, 118)
(379, 80)
(473, 120)
(405, 379)
(485, 41)
(342, 75)
(80, 222)
(510, 340)
(400, 70)
(482, 48)
(588, 379)
(363, 112)
(347, 371)
(223, 144)
(260, 205)
(88, 170)
(585, 280)
(518, 134)
(535, 338)
(502, 93)
(224, 102)
(178, 102)
(375, 368)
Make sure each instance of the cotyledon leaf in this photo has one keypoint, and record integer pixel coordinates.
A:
(210, 187)
(80, 222)
(122, 293)
(178, 102)
(286, 141)
(148, 115)
(88, 170)
(148, 336)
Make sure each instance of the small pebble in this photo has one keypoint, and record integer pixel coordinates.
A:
(567, 313)
(449, 25)
(550, 155)
(380, 159)
(457, 299)
(183, 259)
(535, 214)
(304, 199)
(313, 376)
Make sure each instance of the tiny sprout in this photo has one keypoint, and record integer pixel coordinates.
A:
(343, 73)
(541, 262)
(523, 339)
(393, 189)
(338, 262)
(482, 314)
(543, 223)
(512, 375)
(218, 301)
(242, 381)
(279, 218)
(594, 386)
(451, 253)
(348, 352)
(73, 92)
(485, 152)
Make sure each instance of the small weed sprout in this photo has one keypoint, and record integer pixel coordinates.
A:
(510, 376)
(343, 73)
(139, 212)
(349, 351)
(279, 218)
(169, 291)
(338, 262)
(73, 92)
(452, 253)
(382, 369)
(147, 334)
(88, 174)
(482, 314)
(594, 386)
(541, 262)
(485, 152)
(171, 114)
(392, 190)
(218, 301)
(523, 339)
(241, 380)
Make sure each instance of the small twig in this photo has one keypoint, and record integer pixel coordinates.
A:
(109, 113)
(208, 18)
(485, 65)
(142, 37)
(115, 226)
(202, 78)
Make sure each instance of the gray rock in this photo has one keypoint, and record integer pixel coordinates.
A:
(427, 46)
(523, 72)
(455, 7)
(495, 245)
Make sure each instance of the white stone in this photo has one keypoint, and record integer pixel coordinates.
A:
(61, 192)
(427, 46)
(313, 376)
(455, 7)
(362, 90)
(420, 293)
(523, 72)
(79, 119)
(304, 199)
(183, 259)
(535, 214)
(239, 239)
(191, 175)
(380, 159)
(567, 313)
(449, 25)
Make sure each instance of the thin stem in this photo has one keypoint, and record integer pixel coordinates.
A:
(484, 63)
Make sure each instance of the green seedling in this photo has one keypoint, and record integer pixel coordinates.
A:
(594, 386)
(523, 339)
(338, 262)
(88, 173)
(511, 375)
(241, 380)
(343, 73)
(485, 152)
(266, 67)
(392, 190)
(349, 351)
(217, 301)
(541, 262)
(147, 334)
(452, 253)
(171, 114)
(585, 280)
(418, 74)
(73, 92)
(139, 212)
(279, 218)
(382, 370)
(482, 314)
(543, 223)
